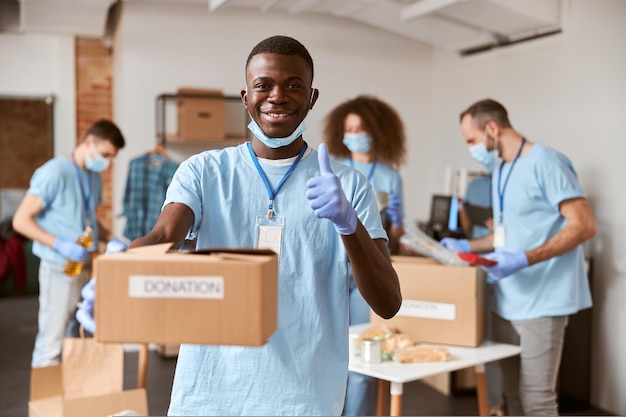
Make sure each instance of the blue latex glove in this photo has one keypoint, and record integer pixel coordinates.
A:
(70, 249)
(457, 245)
(115, 245)
(394, 210)
(508, 263)
(84, 314)
(327, 198)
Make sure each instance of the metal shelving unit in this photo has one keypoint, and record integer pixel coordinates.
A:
(237, 119)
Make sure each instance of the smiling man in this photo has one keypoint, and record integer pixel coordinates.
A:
(325, 215)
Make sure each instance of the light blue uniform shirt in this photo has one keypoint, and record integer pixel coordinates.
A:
(384, 178)
(540, 180)
(63, 214)
(302, 370)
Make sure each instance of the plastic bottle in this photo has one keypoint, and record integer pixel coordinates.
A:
(73, 268)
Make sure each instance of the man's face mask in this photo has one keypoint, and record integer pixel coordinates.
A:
(486, 157)
(275, 142)
(357, 142)
(98, 163)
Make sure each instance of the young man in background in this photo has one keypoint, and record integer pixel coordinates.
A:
(59, 205)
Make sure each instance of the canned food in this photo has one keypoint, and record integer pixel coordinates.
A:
(371, 351)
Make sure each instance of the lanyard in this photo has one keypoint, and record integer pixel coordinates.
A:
(85, 194)
(371, 173)
(508, 175)
(272, 193)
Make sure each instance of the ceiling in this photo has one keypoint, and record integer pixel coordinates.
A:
(465, 26)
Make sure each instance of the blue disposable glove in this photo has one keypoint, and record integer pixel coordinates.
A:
(84, 314)
(327, 198)
(508, 263)
(394, 210)
(457, 245)
(70, 249)
(115, 245)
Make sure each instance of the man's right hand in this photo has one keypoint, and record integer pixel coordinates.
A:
(457, 245)
(70, 249)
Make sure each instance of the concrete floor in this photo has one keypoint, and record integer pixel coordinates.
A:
(18, 326)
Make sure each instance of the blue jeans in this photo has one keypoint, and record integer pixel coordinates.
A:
(58, 296)
(361, 389)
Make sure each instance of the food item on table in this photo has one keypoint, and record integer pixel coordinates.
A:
(398, 341)
(377, 332)
(419, 353)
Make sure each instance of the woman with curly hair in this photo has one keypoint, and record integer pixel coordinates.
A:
(367, 134)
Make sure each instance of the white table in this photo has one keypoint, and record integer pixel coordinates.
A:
(399, 373)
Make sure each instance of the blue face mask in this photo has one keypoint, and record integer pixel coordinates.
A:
(357, 142)
(486, 157)
(276, 142)
(97, 164)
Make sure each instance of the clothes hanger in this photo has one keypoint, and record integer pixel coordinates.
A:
(159, 150)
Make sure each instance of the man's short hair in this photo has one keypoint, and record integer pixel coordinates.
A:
(283, 45)
(107, 130)
(488, 109)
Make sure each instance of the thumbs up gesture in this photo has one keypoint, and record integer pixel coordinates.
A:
(327, 198)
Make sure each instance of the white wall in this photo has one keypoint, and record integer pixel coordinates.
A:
(160, 47)
(42, 65)
(568, 92)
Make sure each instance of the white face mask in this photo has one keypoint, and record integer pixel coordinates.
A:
(486, 157)
(276, 142)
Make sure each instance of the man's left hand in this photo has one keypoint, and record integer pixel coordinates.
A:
(84, 314)
(508, 263)
(327, 198)
(115, 245)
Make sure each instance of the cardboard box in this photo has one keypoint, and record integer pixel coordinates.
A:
(47, 400)
(441, 304)
(200, 118)
(213, 297)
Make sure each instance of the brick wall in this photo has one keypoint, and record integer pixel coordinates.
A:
(94, 101)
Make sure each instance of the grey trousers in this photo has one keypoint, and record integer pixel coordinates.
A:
(529, 381)
(492, 369)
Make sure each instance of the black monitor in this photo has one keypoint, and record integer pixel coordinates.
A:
(440, 217)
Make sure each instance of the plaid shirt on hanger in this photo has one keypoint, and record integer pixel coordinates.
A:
(149, 176)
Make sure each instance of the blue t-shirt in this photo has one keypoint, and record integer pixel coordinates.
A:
(382, 177)
(64, 214)
(539, 182)
(302, 370)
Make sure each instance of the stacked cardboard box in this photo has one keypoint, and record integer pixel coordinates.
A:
(201, 115)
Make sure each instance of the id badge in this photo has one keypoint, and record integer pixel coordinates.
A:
(269, 233)
(498, 236)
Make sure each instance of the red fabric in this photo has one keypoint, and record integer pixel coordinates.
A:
(12, 259)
